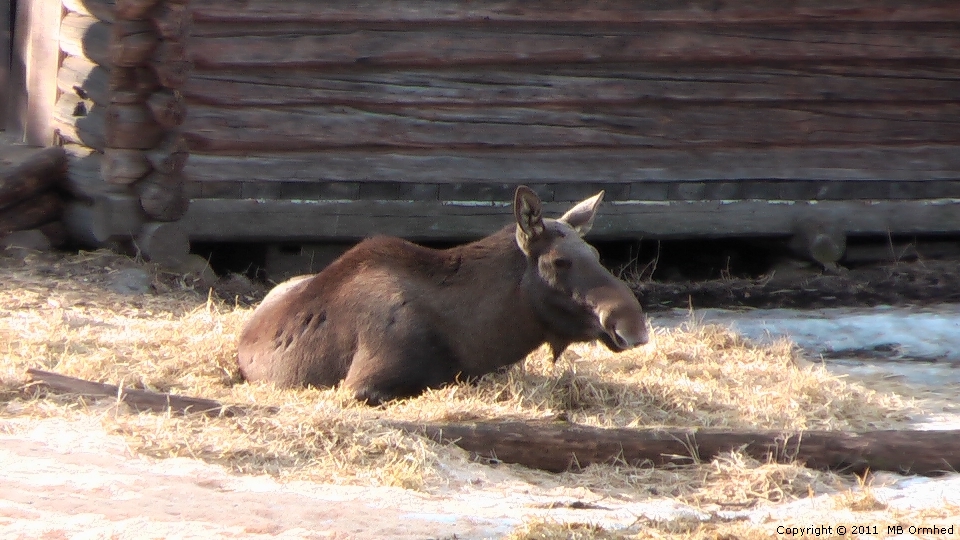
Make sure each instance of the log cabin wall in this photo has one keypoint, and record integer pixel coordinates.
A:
(118, 113)
(339, 119)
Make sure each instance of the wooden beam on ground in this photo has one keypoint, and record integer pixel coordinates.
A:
(40, 171)
(560, 446)
(303, 220)
(141, 400)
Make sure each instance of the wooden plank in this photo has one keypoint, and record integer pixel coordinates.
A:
(892, 163)
(289, 220)
(460, 47)
(573, 11)
(573, 85)
(35, 59)
(210, 129)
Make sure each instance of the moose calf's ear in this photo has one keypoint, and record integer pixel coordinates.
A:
(529, 215)
(580, 217)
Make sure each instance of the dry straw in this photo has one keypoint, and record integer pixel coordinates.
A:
(56, 313)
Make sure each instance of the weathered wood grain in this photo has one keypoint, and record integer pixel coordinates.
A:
(893, 163)
(141, 400)
(560, 446)
(573, 85)
(80, 121)
(460, 47)
(575, 11)
(94, 223)
(171, 65)
(86, 37)
(292, 220)
(168, 108)
(135, 83)
(165, 243)
(313, 128)
(124, 167)
(100, 9)
(170, 156)
(133, 9)
(41, 171)
(86, 79)
(162, 196)
(172, 21)
(31, 213)
(33, 71)
(6, 31)
(84, 181)
(132, 43)
(131, 127)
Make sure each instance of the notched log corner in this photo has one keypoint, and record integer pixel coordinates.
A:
(140, 400)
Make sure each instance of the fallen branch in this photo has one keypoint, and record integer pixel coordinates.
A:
(560, 446)
(141, 400)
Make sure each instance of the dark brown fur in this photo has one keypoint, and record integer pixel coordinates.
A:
(391, 318)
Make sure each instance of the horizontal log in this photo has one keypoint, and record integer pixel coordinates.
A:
(31, 213)
(892, 163)
(168, 108)
(560, 446)
(592, 84)
(132, 43)
(647, 191)
(213, 129)
(100, 9)
(577, 11)
(141, 400)
(80, 121)
(85, 37)
(172, 21)
(460, 47)
(124, 167)
(170, 156)
(84, 78)
(39, 172)
(304, 220)
(171, 64)
(164, 243)
(56, 233)
(107, 217)
(162, 196)
(131, 127)
(132, 84)
(84, 181)
(134, 9)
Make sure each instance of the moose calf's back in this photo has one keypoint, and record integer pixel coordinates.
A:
(391, 318)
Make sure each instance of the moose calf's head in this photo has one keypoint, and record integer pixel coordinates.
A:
(575, 297)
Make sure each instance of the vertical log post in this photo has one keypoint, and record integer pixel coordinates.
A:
(35, 61)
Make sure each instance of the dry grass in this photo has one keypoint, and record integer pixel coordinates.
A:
(56, 314)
